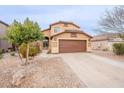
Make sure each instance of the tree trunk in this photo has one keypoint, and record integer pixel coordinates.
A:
(19, 55)
(27, 53)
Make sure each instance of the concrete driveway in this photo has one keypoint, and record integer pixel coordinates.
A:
(95, 71)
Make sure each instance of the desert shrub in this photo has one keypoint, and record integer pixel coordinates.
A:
(22, 50)
(1, 53)
(32, 50)
(105, 49)
(12, 54)
(36, 44)
(38, 47)
(118, 48)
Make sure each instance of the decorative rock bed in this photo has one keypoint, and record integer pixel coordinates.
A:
(42, 73)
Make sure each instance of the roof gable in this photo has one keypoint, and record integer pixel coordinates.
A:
(74, 31)
(64, 22)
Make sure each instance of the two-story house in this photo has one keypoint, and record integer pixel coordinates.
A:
(66, 37)
(4, 45)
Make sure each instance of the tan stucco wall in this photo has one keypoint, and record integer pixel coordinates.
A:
(46, 33)
(63, 28)
(4, 43)
(2, 29)
(99, 45)
(55, 41)
(103, 45)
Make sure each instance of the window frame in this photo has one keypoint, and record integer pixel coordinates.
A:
(55, 31)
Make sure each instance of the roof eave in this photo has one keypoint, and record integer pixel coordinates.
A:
(64, 22)
(72, 32)
(4, 23)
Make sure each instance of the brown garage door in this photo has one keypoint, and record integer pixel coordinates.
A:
(67, 46)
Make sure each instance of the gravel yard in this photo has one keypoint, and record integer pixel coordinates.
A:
(42, 73)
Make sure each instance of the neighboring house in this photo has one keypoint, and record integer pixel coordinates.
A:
(105, 41)
(4, 45)
(66, 37)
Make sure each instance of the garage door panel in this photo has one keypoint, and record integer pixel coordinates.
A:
(66, 46)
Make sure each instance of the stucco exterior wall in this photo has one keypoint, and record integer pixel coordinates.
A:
(4, 45)
(46, 33)
(55, 41)
(2, 30)
(63, 28)
(103, 45)
(99, 45)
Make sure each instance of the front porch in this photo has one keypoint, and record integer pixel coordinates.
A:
(46, 44)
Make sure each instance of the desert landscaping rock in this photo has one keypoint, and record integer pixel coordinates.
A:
(52, 73)
(5, 78)
(18, 77)
(42, 73)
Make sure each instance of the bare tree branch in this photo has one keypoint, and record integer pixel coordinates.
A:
(112, 21)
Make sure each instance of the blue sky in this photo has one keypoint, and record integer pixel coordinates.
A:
(85, 16)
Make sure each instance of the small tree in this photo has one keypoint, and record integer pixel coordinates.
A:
(31, 32)
(14, 35)
(27, 32)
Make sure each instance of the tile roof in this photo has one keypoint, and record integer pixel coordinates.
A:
(105, 36)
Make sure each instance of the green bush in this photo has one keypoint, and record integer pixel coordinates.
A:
(22, 50)
(118, 48)
(12, 54)
(35, 44)
(105, 49)
(32, 50)
(1, 53)
(38, 47)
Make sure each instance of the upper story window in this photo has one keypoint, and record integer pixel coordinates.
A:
(57, 29)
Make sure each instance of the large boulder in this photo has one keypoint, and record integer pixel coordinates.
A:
(18, 77)
(23, 74)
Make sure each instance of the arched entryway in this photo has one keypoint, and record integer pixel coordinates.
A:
(46, 43)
